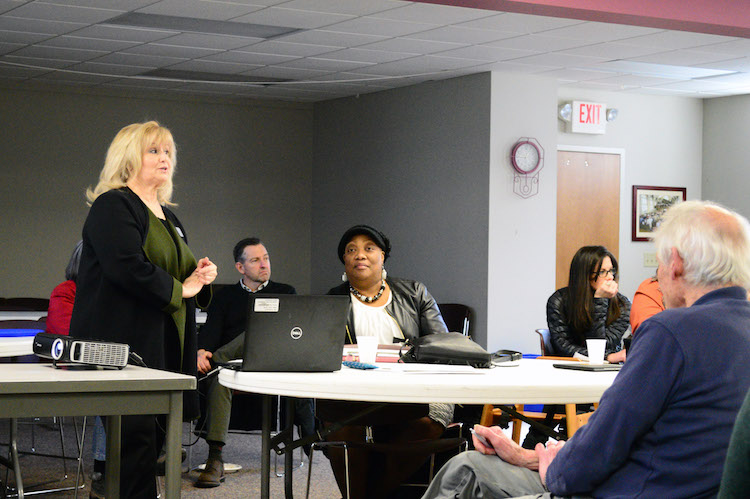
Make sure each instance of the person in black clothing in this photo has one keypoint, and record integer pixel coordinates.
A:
(221, 339)
(137, 281)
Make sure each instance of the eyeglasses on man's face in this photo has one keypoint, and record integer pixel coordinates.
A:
(603, 273)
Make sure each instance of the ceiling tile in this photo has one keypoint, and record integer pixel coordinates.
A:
(413, 46)
(368, 56)
(200, 9)
(285, 73)
(324, 64)
(347, 7)
(681, 58)
(207, 66)
(612, 50)
(458, 34)
(519, 23)
(380, 27)
(210, 41)
(592, 32)
(22, 37)
(290, 49)
(66, 13)
(331, 38)
(487, 53)
(305, 19)
(433, 14)
(151, 61)
(44, 52)
(254, 58)
(77, 42)
(109, 32)
(9, 23)
(162, 49)
(676, 40)
(537, 43)
(101, 69)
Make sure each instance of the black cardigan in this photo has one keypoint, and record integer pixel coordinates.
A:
(122, 296)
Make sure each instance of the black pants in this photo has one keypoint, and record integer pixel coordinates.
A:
(141, 440)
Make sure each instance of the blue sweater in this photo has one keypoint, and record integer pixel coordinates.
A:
(663, 427)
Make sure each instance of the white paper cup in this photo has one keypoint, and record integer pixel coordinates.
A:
(596, 350)
(367, 347)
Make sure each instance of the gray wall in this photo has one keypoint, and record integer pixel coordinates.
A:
(412, 162)
(726, 152)
(242, 169)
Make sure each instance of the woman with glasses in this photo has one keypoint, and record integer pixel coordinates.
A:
(590, 306)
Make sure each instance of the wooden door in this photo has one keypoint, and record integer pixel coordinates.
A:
(588, 206)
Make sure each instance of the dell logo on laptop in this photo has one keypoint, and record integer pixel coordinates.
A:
(296, 333)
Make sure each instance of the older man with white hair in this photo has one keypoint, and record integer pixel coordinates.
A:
(663, 427)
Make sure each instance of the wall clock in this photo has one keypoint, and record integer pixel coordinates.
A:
(526, 156)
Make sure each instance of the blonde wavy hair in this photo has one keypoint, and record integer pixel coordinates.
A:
(123, 161)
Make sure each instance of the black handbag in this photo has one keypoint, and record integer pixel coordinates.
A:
(446, 348)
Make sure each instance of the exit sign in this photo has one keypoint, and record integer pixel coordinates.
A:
(588, 117)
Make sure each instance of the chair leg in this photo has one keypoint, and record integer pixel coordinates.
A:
(14, 456)
(516, 433)
(319, 445)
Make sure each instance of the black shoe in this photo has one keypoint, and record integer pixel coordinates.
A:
(162, 461)
(212, 475)
(97, 486)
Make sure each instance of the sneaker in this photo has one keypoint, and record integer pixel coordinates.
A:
(212, 475)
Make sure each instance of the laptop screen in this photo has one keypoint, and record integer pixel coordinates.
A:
(297, 333)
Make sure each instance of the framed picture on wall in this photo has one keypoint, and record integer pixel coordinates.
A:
(649, 205)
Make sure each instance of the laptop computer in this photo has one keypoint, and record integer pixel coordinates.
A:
(297, 333)
(580, 366)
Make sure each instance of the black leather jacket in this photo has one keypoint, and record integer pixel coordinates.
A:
(565, 341)
(412, 307)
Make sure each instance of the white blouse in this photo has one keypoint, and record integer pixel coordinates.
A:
(375, 321)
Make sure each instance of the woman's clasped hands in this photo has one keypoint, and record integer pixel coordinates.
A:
(203, 275)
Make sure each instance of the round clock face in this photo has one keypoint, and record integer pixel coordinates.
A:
(525, 157)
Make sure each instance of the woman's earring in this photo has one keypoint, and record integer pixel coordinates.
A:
(383, 274)
(344, 277)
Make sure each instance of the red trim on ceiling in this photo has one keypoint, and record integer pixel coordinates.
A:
(717, 17)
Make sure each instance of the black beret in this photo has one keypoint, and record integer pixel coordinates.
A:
(371, 232)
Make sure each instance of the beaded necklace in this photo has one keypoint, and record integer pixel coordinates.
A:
(368, 299)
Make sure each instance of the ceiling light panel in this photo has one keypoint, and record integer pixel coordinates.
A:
(203, 26)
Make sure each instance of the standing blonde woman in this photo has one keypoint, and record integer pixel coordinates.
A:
(138, 278)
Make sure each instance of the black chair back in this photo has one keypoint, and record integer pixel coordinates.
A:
(457, 317)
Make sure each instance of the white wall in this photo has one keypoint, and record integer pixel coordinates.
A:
(726, 152)
(521, 256)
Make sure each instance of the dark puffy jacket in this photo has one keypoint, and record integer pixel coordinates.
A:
(566, 342)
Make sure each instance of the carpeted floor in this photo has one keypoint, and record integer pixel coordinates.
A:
(242, 449)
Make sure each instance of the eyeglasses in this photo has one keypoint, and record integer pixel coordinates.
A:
(603, 273)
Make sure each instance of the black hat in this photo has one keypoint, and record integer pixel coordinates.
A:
(371, 232)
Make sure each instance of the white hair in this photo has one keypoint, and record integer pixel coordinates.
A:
(713, 242)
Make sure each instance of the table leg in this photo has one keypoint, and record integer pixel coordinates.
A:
(173, 443)
(289, 451)
(112, 466)
(265, 455)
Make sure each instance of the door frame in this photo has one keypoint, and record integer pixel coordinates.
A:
(625, 197)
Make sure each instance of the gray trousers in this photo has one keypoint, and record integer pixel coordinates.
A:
(475, 475)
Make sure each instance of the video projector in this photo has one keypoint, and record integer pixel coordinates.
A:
(68, 350)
